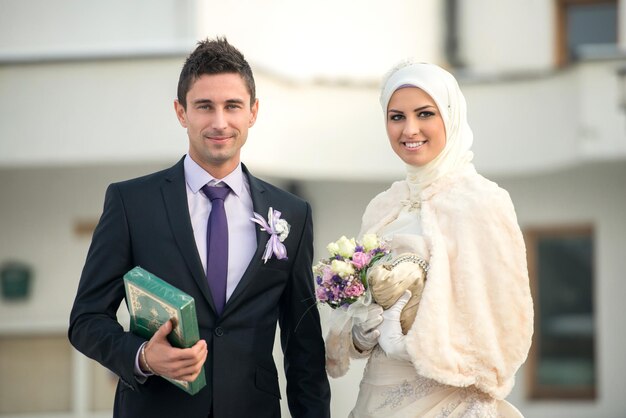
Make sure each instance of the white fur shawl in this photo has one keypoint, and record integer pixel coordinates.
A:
(475, 320)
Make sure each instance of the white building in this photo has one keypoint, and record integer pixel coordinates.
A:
(86, 91)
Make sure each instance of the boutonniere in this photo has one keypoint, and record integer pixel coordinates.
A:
(278, 230)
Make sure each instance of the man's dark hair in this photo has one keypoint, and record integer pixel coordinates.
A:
(214, 56)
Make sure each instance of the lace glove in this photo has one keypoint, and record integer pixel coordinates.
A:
(392, 340)
(364, 333)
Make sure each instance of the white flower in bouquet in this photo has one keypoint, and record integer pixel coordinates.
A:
(346, 246)
(370, 241)
(342, 268)
(333, 249)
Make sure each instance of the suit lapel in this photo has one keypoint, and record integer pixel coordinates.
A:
(260, 205)
(175, 199)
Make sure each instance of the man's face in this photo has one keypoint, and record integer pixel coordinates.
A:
(217, 119)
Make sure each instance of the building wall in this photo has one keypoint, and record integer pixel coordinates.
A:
(327, 39)
(508, 36)
(522, 125)
(44, 27)
(88, 112)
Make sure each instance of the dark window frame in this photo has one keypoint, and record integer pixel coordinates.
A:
(534, 390)
(562, 53)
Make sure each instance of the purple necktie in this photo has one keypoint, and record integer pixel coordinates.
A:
(217, 245)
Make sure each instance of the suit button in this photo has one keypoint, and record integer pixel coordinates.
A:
(219, 331)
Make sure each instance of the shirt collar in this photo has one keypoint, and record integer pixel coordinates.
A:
(196, 177)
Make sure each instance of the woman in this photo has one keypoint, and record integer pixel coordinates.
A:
(469, 316)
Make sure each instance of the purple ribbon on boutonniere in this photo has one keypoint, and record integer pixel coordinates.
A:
(278, 230)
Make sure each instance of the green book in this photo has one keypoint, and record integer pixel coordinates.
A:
(151, 302)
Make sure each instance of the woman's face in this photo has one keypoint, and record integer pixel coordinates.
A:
(414, 126)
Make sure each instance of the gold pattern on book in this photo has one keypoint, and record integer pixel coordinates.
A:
(137, 293)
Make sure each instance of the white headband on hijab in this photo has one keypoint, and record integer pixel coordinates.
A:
(444, 90)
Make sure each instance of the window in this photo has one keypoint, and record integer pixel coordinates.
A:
(562, 360)
(583, 24)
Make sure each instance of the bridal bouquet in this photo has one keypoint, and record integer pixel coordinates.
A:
(342, 278)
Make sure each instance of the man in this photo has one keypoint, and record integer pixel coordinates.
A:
(160, 222)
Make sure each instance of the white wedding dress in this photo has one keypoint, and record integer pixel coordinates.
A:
(392, 388)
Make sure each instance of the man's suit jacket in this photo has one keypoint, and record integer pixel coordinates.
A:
(145, 222)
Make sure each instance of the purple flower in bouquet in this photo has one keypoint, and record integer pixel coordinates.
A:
(321, 294)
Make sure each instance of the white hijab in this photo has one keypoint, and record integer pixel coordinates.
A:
(444, 90)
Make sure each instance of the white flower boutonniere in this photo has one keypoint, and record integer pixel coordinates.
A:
(278, 230)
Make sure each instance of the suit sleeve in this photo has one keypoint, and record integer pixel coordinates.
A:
(94, 329)
(308, 391)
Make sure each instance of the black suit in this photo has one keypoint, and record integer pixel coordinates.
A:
(146, 222)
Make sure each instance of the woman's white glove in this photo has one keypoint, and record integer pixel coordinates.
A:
(364, 332)
(392, 340)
